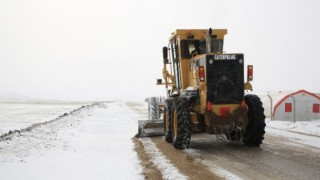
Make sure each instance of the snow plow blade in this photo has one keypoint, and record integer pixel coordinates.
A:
(148, 128)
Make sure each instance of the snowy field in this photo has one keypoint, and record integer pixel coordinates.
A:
(301, 132)
(16, 115)
(303, 127)
(80, 141)
(93, 142)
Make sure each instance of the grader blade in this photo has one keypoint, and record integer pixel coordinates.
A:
(149, 128)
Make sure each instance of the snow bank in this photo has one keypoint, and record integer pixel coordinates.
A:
(301, 133)
(16, 115)
(94, 143)
(304, 127)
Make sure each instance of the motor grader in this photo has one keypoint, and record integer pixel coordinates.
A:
(205, 92)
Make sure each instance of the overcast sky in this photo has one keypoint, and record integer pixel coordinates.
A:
(112, 49)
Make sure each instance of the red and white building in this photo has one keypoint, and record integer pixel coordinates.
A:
(291, 105)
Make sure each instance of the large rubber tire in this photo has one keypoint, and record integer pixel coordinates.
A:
(181, 129)
(167, 120)
(254, 132)
(153, 110)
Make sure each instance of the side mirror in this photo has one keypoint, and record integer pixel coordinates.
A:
(159, 81)
(165, 55)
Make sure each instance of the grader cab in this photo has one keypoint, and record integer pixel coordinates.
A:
(206, 91)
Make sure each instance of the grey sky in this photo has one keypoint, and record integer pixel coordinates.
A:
(107, 50)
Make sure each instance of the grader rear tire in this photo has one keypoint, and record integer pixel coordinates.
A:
(254, 132)
(181, 129)
(153, 106)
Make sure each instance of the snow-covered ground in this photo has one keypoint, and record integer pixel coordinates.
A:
(16, 115)
(301, 133)
(303, 127)
(93, 142)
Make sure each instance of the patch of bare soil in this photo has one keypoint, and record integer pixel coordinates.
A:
(186, 163)
(149, 170)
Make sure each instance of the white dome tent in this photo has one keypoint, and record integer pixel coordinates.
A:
(291, 105)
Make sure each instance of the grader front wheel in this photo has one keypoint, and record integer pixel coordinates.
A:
(181, 129)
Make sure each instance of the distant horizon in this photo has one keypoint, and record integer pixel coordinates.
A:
(20, 97)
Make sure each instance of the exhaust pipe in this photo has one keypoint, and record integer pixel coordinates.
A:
(208, 40)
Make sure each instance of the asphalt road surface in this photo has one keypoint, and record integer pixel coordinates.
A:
(209, 157)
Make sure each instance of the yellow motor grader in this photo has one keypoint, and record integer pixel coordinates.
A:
(205, 92)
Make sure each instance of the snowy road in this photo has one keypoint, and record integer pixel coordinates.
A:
(278, 158)
(96, 142)
(285, 154)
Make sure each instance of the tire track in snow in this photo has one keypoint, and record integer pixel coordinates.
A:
(212, 166)
(168, 170)
(219, 171)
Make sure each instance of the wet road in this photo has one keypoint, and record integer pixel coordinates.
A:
(277, 158)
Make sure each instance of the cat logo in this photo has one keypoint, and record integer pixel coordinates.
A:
(225, 57)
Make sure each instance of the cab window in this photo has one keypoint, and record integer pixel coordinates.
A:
(187, 46)
(216, 45)
(199, 47)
